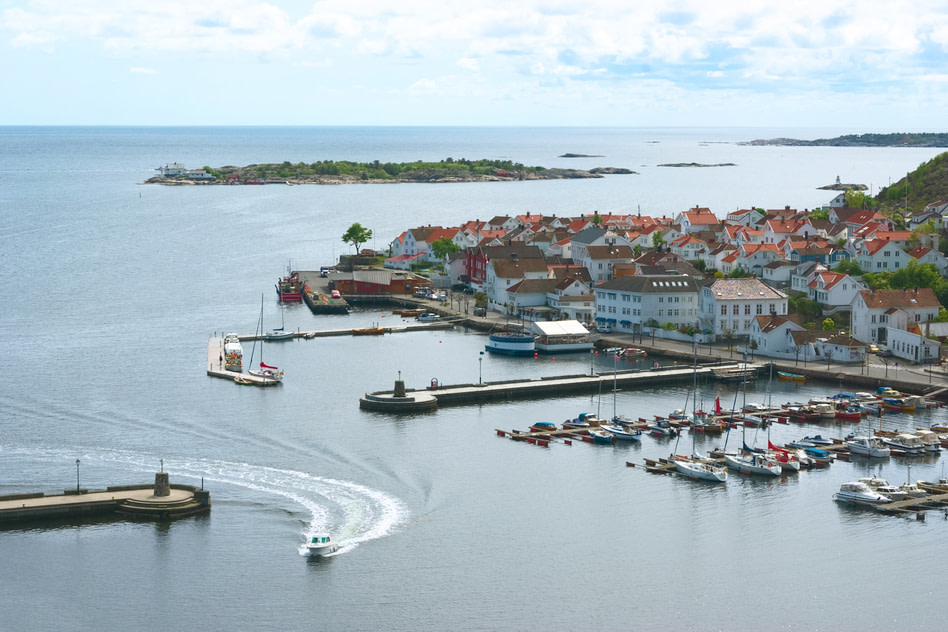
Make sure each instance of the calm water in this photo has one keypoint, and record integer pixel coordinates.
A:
(110, 290)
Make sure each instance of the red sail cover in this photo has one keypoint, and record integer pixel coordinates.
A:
(267, 366)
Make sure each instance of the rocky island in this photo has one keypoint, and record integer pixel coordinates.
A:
(862, 140)
(696, 164)
(346, 172)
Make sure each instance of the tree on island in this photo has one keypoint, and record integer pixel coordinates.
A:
(357, 235)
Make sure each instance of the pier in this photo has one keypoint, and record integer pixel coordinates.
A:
(387, 401)
(161, 501)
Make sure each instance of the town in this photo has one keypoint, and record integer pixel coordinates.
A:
(782, 283)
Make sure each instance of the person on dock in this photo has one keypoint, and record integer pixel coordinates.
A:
(220, 360)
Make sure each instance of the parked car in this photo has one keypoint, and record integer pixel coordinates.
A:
(335, 294)
(604, 329)
(480, 311)
(872, 348)
(884, 353)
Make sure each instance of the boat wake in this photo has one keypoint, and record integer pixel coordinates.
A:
(351, 512)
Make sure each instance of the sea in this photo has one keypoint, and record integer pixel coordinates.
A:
(112, 288)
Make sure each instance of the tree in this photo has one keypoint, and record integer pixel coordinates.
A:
(858, 199)
(848, 266)
(440, 248)
(357, 235)
(596, 218)
(657, 240)
(828, 324)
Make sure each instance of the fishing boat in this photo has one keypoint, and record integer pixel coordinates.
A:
(233, 353)
(857, 492)
(321, 544)
(791, 377)
(289, 289)
(871, 447)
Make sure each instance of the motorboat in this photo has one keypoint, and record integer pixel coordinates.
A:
(662, 428)
(321, 544)
(882, 486)
(599, 435)
(543, 426)
(427, 317)
(868, 446)
(817, 440)
(929, 439)
(819, 457)
(906, 444)
(278, 334)
(857, 492)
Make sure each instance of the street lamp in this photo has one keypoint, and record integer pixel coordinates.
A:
(77, 476)
(480, 366)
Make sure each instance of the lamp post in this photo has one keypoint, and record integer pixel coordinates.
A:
(77, 476)
(480, 366)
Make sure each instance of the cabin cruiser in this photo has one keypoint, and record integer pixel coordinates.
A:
(321, 544)
(868, 446)
(859, 492)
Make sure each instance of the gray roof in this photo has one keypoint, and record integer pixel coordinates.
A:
(648, 284)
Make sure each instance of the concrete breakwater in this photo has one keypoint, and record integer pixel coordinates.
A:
(161, 501)
(435, 395)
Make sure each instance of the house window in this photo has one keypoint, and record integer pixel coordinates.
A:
(760, 309)
(736, 309)
(747, 324)
(661, 299)
(747, 310)
(724, 310)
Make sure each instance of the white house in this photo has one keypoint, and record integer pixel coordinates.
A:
(502, 274)
(913, 347)
(879, 255)
(600, 259)
(875, 311)
(834, 289)
(628, 302)
(770, 335)
(728, 306)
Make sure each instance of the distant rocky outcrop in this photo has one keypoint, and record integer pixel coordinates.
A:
(843, 187)
(580, 156)
(612, 171)
(696, 164)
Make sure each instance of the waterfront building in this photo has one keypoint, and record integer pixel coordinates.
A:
(728, 306)
(876, 311)
(627, 303)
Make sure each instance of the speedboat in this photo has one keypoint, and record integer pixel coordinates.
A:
(427, 317)
(817, 440)
(868, 446)
(661, 428)
(321, 544)
(598, 435)
(859, 492)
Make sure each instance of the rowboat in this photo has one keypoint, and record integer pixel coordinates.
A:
(791, 377)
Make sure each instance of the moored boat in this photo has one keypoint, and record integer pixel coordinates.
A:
(791, 377)
(858, 492)
(753, 463)
(233, 353)
(543, 426)
(871, 447)
(597, 435)
(513, 343)
(289, 289)
(906, 444)
(622, 434)
(699, 470)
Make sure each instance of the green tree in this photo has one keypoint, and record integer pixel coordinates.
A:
(657, 240)
(820, 213)
(596, 218)
(828, 324)
(357, 235)
(858, 199)
(440, 248)
(848, 266)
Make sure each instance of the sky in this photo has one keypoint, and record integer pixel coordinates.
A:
(878, 65)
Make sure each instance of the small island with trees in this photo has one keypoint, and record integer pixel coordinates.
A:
(345, 172)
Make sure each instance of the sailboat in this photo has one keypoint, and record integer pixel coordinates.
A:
(694, 467)
(279, 333)
(270, 374)
(748, 461)
(620, 429)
